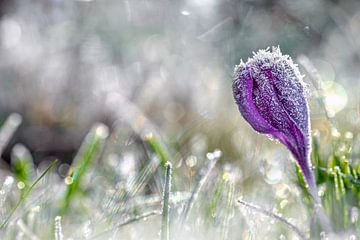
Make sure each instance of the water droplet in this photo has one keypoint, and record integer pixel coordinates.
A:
(68, 180)
(21, 185)
(102, 131)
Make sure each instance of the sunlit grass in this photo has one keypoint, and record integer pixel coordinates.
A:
(96, 205)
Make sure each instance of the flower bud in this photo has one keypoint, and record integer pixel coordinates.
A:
(270, 94)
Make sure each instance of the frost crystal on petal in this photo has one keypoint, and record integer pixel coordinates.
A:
(270, 94)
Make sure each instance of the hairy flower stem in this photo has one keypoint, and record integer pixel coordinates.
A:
(319, 213)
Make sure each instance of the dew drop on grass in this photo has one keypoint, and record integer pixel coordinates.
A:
(68, 180)
(21, 185)
(210, 155)
(102, 131)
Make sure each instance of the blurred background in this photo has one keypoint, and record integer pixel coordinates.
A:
(166, 67)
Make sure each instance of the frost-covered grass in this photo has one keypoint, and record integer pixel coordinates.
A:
(131, 193)
(157, 74)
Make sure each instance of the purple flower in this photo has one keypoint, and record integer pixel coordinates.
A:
(270, 94)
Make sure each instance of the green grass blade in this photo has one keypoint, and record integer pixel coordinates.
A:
(26, 194)
(228, 211)
(89, 150)
(199, 185)
(157, 148)
(126, 222)
(22, 164)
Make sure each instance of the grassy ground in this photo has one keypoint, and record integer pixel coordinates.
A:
(135, 193)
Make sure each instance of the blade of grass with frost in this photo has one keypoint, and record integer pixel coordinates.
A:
(215, 199)
(275, 216)
(230, 191)
(157, 148)
(165, 220)
(229, 207)
(126, 222)
(153, 201)
(32, 216)
(5, 190)
(351, 178)
(22, 164)
(89, 151)
(26, 194)
(199, 185)
(8, 129)
(27, 232)
(58, 228)
(340, 205)
(135, 185)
